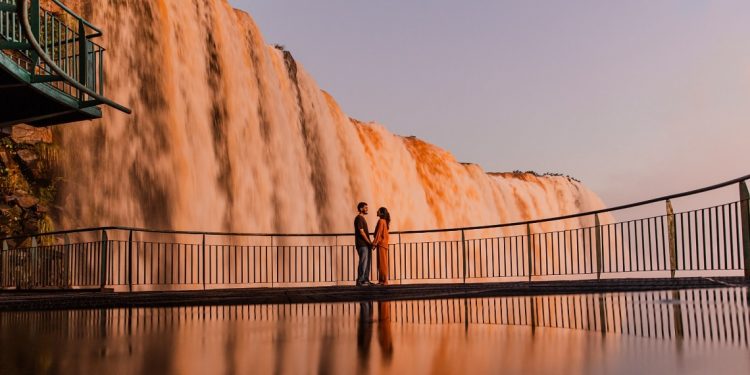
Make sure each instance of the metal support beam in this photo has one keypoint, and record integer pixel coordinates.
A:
(672, 229)
(15, 46)
(745, 217)
(45, 79)
(89, 103)
(5, 7)
(36, 118)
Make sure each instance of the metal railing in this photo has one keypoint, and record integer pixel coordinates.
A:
(56, 48)
(711, 241)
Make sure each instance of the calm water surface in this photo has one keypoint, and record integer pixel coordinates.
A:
(686, 332)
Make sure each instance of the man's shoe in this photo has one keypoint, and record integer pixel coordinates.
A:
(367, 283)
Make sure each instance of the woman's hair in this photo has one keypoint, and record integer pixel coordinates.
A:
(383, 212)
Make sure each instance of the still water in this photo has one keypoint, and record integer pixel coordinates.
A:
(686, 332)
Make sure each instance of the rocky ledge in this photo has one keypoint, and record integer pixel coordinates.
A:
(28, 160)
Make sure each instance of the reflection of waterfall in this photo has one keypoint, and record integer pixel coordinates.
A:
(231, 134)
(400, 335)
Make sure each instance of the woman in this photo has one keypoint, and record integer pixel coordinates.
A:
(380, 243)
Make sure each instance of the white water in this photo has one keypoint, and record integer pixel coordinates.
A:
(229, 134)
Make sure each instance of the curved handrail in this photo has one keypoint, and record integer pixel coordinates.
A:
(246, 234)
(80, 19)
(70, 80)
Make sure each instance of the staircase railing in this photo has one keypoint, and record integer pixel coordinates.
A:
(56, 48)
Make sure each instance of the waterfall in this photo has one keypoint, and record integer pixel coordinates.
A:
(231, 134)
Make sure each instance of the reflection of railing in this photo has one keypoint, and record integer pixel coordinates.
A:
(709, 241)
(719, 316)
(56, 48)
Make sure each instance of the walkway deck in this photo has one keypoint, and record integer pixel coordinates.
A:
(88, 299)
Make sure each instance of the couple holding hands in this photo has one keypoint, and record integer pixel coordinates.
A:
(364, 245)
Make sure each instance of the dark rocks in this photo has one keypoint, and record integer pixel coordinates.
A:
(29, 157)
(27, 201)
(4, 157)
(27, 180)
(31, 226)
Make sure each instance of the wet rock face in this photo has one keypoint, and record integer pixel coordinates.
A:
(27, 183)
(24, 134)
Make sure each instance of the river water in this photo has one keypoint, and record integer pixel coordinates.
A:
(686, 332)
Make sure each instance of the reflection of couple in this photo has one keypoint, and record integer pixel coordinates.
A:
(364, 333)
(379, 243)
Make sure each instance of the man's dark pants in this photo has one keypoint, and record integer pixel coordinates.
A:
(363, 269)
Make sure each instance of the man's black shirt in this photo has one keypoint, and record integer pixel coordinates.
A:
(360, 223)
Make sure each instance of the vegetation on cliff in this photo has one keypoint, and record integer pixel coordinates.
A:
(28, 180)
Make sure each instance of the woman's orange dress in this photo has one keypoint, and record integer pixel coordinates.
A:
(381, 242)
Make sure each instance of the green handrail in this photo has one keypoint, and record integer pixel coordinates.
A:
(28, 31)
(80, 19)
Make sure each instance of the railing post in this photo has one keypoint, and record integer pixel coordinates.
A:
(2, 261)
(34, 22)
(334, 260)
(598, 247)
(672, 228)
(400, 252)
(528, 251)
(82, 58)
(745, 213)
(463, 250)
(130, 260)
(203, 261)
(274, 263)
(400, 258)
(66, 261)
(32, 263)
(103, 272)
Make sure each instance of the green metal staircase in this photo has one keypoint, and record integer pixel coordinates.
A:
(51, 72)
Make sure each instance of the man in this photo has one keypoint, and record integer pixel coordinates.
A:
(363, 244)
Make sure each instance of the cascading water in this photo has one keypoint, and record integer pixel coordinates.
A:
(229, 134)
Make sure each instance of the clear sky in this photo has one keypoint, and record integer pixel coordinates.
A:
(635, 98)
